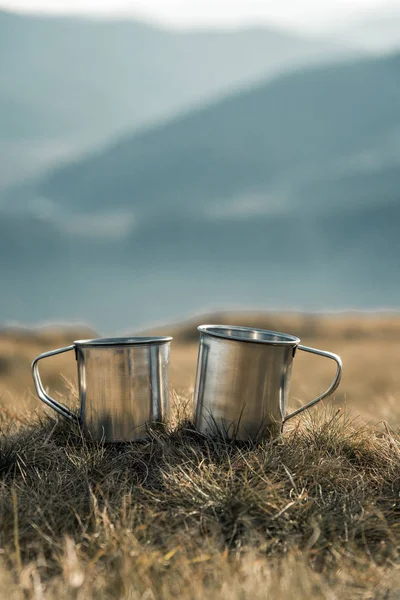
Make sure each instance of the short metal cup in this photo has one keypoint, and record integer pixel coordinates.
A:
(243, 380)
(123, 385)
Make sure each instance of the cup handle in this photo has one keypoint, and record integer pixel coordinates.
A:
(60, 408)
(333, 385)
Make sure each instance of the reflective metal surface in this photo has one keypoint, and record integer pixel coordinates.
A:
(123, 385)
(243, 380)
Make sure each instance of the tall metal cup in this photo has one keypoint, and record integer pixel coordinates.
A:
(243, 379)
(123, 385)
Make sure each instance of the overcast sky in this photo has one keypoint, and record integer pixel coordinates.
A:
(292, 13)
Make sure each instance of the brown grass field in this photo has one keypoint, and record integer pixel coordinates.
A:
(313, 514)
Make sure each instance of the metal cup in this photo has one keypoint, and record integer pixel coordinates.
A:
(243, 379)
(123, 385)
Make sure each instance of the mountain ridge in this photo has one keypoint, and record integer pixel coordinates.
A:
(297, 123)
(284, 196)
(82, 81)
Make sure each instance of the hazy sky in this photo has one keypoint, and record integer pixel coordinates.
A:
(292, 13)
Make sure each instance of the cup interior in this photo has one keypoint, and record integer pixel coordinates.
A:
(249, 334)
(124, 341)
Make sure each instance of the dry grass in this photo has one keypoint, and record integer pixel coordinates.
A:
(314, 514)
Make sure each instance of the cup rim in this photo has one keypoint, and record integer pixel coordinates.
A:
(125, 341)
(272, 338)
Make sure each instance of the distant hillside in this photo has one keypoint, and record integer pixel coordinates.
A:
(286, 196)
(80, 81)
(309, 139)
(98, 76)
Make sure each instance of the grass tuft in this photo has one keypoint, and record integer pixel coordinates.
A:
(314, 513)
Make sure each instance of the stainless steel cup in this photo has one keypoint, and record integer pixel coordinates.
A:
(243, 379)
(123, 385)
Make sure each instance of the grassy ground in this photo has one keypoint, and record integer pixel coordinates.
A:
(314, 514)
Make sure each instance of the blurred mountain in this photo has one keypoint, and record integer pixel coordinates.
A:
(67, 84)
(310, 138)
(284, 196)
